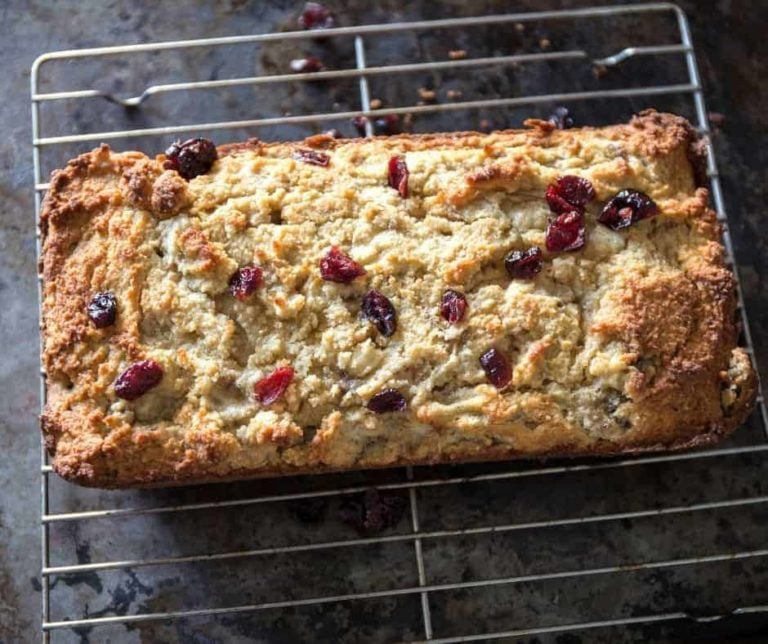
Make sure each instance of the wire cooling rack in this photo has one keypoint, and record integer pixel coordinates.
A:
(512, 550)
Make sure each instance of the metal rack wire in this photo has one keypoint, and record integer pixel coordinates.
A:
(415, 484)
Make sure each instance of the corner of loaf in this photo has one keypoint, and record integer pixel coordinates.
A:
(259, 309)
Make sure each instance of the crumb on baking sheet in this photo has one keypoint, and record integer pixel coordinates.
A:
(457, 54)
(716, 119)
(427, 94)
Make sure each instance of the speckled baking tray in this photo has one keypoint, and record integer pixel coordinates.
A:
(612, 550)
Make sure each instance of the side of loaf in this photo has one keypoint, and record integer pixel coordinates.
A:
(347, 304)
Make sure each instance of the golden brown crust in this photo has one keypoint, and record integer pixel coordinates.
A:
(627, 346)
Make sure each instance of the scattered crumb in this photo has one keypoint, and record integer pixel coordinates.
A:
(519, 27)
(598, 71)
(454, 94)
(375, 103)
(457, 54)
(485, 125)
(716, 119)
(427, 94)
(544, 43)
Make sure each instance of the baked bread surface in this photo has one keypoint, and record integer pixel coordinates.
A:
(628, 344)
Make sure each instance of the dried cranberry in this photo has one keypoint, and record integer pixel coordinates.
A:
(387, 400)
(339, 267)
(379, 310)
(556, 203)
(566, 232)
(271, 387)
(569, 193)
(245, 281)
(627, 208)
(313, 157)
(575, 190)
(453, 306)
(359, 122)
(191, 158)
(373, 511)
(138, 379)
(316, 16)
(560, 118)
(496, 367)
(102, 309)
(308, 65)
(398, 175)
(387, 124)
(523, 264)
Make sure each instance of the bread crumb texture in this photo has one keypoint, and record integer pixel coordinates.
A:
(628, 344)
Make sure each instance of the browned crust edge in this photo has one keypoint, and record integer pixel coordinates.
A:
(713, 435)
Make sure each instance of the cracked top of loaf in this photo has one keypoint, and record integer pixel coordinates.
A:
(625, 344)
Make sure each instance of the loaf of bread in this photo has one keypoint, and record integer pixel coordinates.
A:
(266, 309)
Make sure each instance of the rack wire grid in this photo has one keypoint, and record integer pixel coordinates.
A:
(612, 549)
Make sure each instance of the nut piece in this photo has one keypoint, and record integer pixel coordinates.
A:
(136, 184)
(169, 194)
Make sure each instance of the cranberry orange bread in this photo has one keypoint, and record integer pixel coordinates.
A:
(333, 304)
